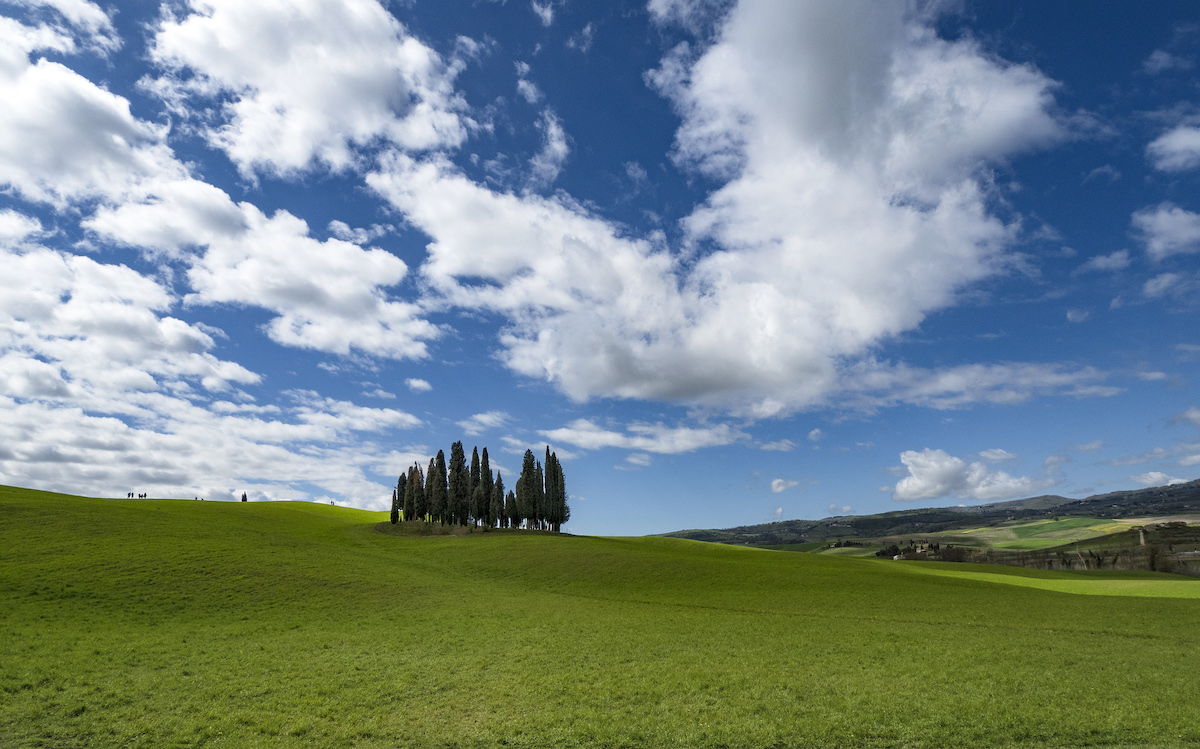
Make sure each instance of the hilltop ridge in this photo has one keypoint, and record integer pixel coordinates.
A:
(1158, 501)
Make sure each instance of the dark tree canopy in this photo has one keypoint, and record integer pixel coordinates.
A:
(487, 515)
(459, 486)
(460, 494)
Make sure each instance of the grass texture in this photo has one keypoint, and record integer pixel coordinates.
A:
(158, 623)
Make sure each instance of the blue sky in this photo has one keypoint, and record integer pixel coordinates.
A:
(733, 261)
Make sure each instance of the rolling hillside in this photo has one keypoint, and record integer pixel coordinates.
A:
(150, 623)
(1156, 502)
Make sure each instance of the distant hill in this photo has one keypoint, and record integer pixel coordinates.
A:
(1159, 501)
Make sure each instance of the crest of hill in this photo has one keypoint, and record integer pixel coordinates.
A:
(1158, 501)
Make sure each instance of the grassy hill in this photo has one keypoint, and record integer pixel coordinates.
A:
(151, 623)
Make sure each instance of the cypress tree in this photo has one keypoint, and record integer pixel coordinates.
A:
(475, 467)
(435, 496)
(395, 510)
(486, 516)
(526, 496)
(397, 498)
(420, 501)
(564, 509)
(510, 509)
(409, 506)
(539, 497)
(459, 485)
(498, 516)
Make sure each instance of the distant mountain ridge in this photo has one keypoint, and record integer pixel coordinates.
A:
(1159, 501)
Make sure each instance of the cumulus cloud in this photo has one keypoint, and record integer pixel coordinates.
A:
(854, 203)
(1191, 415)
(526, 88)
(933, 474)
(1176, 150)
(61, 136)
(104, 391)
(1114, 261)
(1157, 478)
(16, 226)
(1161, 284)
(544, 11)
(417, 385)
(480, 423)
(816, 435)
(1161, 60)
(652, 438)
(327, 295)
(546, 165)
(1167, 229)
(307, 81)
(782, 485)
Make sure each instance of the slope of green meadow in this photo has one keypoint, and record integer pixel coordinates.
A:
(155, 623)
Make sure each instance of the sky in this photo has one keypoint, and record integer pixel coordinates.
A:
(732, 261)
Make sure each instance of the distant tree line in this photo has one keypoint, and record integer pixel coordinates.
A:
(457, 494)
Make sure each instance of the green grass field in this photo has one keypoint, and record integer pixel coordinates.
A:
(148, 623)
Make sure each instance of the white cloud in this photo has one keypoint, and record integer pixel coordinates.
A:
(815, 435)
(1176, 150)
(1089, 447)
(104, 392)
(1160, 60)
(996, 455)
(653, 438)
(1157, 478)
(1108, 171)
(1192, 415)
(1167, 229)
(933, 474)
(480, 423)
(544, 11)
(782, 485)
(582, 41)
(546, 165)
(639, 459)
(418, 385)
(870, 385)
(856, 205)
(61, 136)
(327, 295)
(1077, 315)
(1115, 261)
(84, 17)
(307, 81)
(15, 227)
(847, 509)
(783, 446)
(1161, 284)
